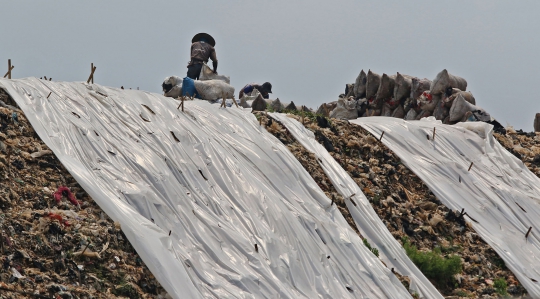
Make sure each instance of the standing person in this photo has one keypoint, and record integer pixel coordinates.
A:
(263, 89)
(202, 49)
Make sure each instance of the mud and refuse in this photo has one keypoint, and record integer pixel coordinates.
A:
(55, 241)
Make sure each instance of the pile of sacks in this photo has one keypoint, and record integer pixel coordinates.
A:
(256, 102)
(210, 86)
(407, 97)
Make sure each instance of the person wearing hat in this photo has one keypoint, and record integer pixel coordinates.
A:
(263, 89)
(202, 49)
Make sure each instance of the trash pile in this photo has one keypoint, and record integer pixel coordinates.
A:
(409, 209)
(407, 97)
(55, 240)
(525, 146)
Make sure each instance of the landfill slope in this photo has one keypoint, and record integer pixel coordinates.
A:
(409, 210)
(214, 205)
(469, 171)
(368, 222)
(43, 239)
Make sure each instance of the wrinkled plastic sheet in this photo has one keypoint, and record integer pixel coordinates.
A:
(499, 192)
(367, 221)
(194, 192)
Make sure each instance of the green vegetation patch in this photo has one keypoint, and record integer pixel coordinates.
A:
(439, 269)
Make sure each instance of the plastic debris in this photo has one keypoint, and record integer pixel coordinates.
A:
(64, 191)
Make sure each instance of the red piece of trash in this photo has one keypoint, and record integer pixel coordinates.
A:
(59, 218)
(63, 190)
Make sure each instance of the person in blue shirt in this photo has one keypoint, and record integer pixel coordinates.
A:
(264, 89)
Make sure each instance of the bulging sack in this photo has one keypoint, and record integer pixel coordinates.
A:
(402, 88)
(441, 111)
(208, 74)
(449, 100)
(460, 106)
(386, 88)
(349, 90)
(212, 90)
(172, 86)
(418, 86)
(361, 106)
(411, 115)
(277, 106)
(345, 109)
(443, 80)
(372, 85)
(386, 110)
(408, 104)
(428, 101)
(398, 112)
(360, 85)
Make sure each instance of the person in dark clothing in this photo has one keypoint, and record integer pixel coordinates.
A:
(263, 89)
(202, 49)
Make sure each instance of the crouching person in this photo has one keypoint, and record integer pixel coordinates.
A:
(264, 89)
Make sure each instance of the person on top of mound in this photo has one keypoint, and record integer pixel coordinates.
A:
(202, 49)
(263, 89)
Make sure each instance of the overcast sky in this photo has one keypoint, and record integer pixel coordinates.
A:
(308, 50)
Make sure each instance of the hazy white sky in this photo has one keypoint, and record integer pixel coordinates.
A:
(308, 50)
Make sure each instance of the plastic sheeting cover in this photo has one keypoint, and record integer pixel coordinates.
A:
(235, 215)
(368, 222)
(499, 192)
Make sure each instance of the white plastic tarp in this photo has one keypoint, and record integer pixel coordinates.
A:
(215, 206)
(498, 192)
(368, 222)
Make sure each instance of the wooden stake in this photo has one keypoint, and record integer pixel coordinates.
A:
(470, 166)
(9, 72)
(91, 77)
(234, 101)
(528, 232)
(91, 68)
(223, 103)
(45, 77)
(9, 68)
(256, 248)
(380, 138)
(433, 134)
(182, 99)
(82, 252)
(49, 94)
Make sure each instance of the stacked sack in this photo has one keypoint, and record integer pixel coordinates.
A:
(410, 98)
(210, 86)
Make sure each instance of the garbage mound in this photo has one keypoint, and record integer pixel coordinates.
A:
(400, 96)
(214, 205)
(470, 172)
(370, 226)
(55, 240)
(410, 211)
